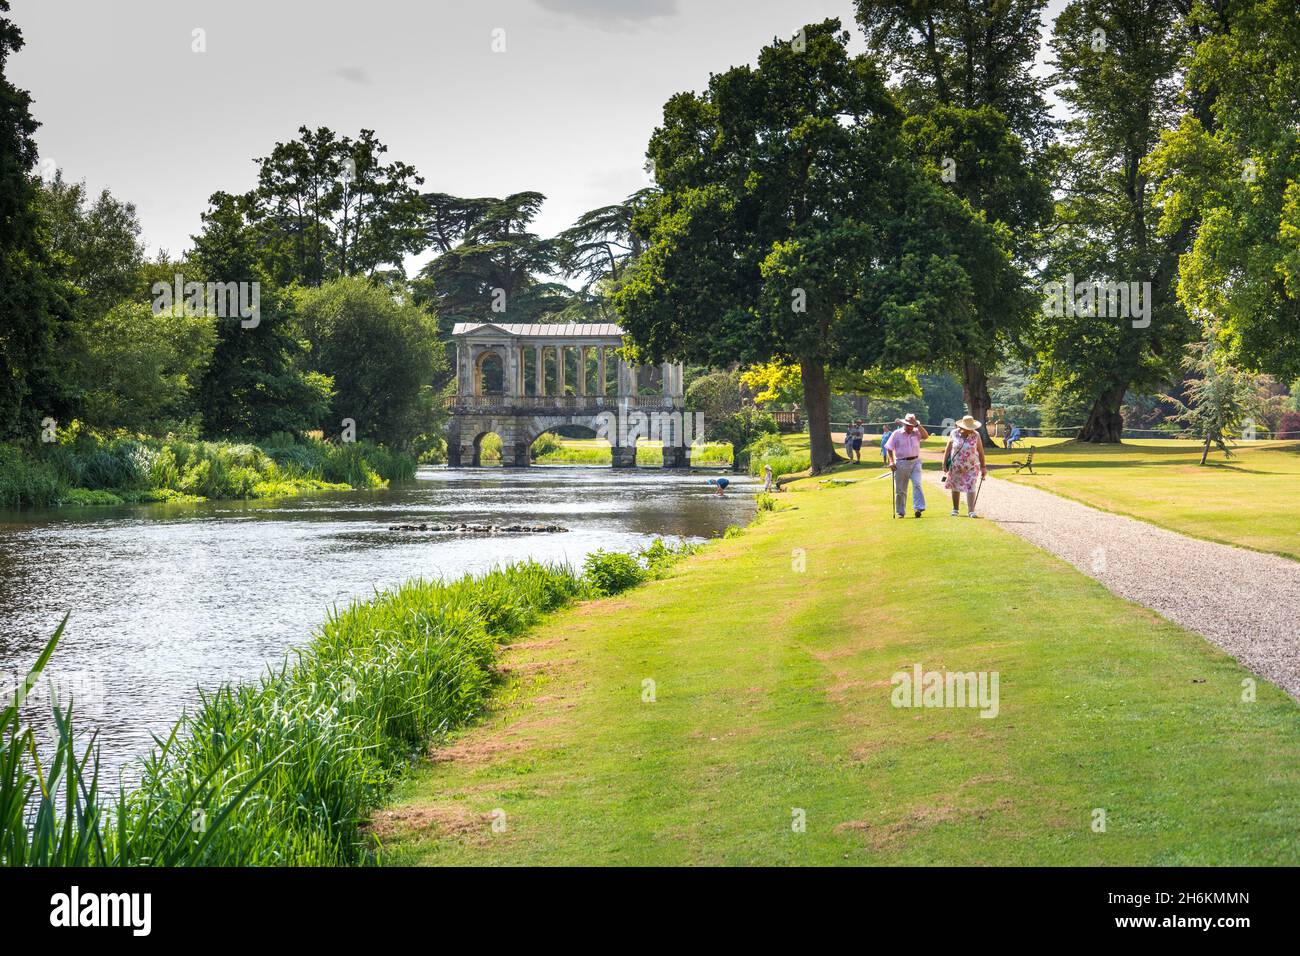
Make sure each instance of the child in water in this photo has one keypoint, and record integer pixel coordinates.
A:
(721, 484)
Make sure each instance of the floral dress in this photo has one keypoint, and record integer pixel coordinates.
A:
(964, 465)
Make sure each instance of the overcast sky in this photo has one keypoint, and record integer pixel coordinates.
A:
(567, 109)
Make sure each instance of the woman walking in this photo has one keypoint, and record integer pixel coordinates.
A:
(963, 460)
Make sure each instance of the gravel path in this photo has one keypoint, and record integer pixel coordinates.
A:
(1245, 602)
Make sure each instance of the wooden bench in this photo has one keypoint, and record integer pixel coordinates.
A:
(1027, 463)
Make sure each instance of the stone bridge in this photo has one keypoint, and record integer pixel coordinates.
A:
(519, 381)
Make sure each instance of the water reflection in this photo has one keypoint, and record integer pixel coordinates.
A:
(169, 598)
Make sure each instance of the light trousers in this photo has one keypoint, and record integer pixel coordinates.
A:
(904, 472)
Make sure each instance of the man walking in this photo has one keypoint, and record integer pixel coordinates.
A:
(904, 451)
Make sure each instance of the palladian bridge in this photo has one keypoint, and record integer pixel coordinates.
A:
(520, 380)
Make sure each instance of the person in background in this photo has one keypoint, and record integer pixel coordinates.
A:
(768, 483)
(721, 485)
(848, 441)
(904, 447)
(859, 430)
(964, 462)
(885, 432)
(1014, 436)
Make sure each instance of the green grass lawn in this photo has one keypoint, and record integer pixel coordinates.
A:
(771, 691)
(1250, 500)
(592, 451)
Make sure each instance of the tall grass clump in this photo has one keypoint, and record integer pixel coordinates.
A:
(52, 812)
(328, 733)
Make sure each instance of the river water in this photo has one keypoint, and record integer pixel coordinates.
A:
(167, 599)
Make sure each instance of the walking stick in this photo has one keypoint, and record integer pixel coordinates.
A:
(977, 492)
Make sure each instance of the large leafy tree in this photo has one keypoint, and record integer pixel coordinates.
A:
(1118, 68)
(381, 353)
(33, 303)
(256, 382)
(792, 227)
(965, 72)
(141, 368)
(327, 206)
(1230, 173)
(964, 54)
(95, 243)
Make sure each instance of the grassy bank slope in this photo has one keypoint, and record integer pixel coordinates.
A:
(1249, 501)
(92, 470)
(772, 694)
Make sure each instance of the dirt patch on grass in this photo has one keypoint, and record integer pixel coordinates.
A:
(441, 820)
(536, 645)
(514, 668)
(884, 835)
(477, 748)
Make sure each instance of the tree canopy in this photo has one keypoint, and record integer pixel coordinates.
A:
(792, 226)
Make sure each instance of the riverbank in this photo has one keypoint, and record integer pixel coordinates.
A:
(285, 771)
(89, 470)
(741, 712)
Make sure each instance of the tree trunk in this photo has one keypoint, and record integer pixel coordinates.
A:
(1205, 452)
(817, 406)
(975, 391)
(1105, 424)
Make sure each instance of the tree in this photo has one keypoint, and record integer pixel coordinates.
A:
(781, 383)
(381, 352)
(967, 55)
(596, 249)
(33, 303)
(95, 245)
(1118, 65)
(981, 121)
(141, 367)
(1230, 175)
(489, 263)
(327, 206)
(791, 227)
(1220, 398)
(257, 382)
(717, 395)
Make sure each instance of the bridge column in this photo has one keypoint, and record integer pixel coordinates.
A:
(600, 370)
(559, 371)
(539, 371)
(582, 370)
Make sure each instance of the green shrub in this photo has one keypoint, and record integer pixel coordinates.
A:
(610, 572)
(547, 443)
(658, 556)
(782, 464)
(767, 446)
(83, 497)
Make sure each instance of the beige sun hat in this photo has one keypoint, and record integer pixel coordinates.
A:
(908, 419)
(967, 424)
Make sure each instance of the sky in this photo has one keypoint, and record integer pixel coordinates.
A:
(566, 109)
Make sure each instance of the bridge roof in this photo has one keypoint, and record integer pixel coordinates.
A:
(571, 330)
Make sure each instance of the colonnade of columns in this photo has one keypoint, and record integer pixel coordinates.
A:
(515, 371)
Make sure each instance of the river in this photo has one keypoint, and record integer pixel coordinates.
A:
(167, 599)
